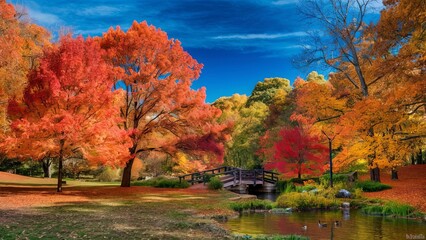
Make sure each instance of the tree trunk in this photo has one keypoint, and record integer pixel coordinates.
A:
(127, 173)
(375, 174)
(299, 172)
(394, 174)
(61, 158)
(420, 157)
(377, 171)
(46, 167)
(364, 86)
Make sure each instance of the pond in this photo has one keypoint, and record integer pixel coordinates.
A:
(354, 225)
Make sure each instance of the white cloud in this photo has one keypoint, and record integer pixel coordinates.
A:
(100, 11)
(91, 32)
(285, 2)
(259, 36)
(43, 18)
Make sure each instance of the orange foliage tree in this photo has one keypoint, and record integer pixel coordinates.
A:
(161, 111)
(68, 108)
(400, 52)
(365, 129)
(20, 45)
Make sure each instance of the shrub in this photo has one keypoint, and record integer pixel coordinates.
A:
(305, 188)
(337, 178)
(309, 182)
(207, 177)
(329, 193)
(26, 168)
(215, 184)
(373, 210)
(371, 186)
(108, 175)
(281, 185)
(290, 188)
(303, 180)
(304, 201)
(390, 209)
(255, 204)
(398, 209)
(357, 193)
(277, 237)
(162, 182)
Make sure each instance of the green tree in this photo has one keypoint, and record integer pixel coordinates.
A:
(247, 128)
(266, 91)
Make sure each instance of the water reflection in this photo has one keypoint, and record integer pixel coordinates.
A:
(351, 226)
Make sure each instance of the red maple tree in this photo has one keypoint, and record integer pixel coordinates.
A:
(297, 152)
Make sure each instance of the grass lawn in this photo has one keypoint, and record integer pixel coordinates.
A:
(111, 212)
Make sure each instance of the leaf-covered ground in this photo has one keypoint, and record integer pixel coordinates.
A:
(410, 188)
(110, 212)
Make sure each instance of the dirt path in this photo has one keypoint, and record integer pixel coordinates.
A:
(409, 189)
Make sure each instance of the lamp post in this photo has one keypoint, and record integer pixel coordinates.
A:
(330, 140)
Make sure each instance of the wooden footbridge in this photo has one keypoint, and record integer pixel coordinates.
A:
(233, 177)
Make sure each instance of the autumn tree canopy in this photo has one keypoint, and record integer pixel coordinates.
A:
(160, 109)
(21, 44)
(298, 152)
(247, 122)
(68, 108)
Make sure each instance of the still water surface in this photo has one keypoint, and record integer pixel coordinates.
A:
(354, 225)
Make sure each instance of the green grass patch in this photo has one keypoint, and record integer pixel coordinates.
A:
(305, 201)
(371, 186)
(252, 204)
(162, 182)
(274, 237)
(215, 183)
(391, 209)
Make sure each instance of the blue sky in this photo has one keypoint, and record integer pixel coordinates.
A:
(240, 42)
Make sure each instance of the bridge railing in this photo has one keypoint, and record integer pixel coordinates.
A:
(269, 176)
(238, 175)
(202, 176)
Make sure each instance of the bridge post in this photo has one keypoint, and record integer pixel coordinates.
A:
(240, 175)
